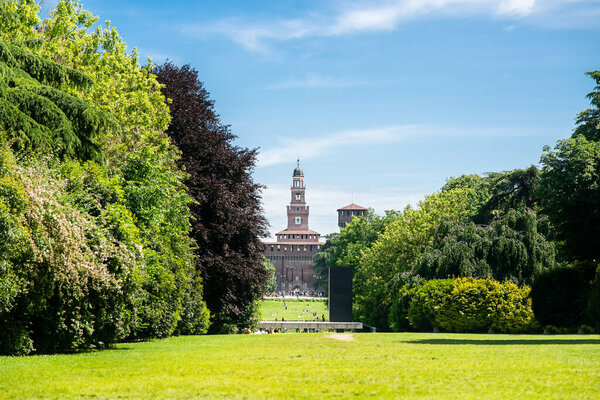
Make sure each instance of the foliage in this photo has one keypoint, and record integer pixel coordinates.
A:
(271, 285)
(122, 88)
(98, 249)
(593, 305)
(514, 247)
(499, 192)
(471, 305)
(18, 19)
(477, 305)
(398, 248)
(426, 302)
(560, 296)
(227, 218)
(347, 248)
(398, 317)
(44, 118)
(570, 195)
(511, 190)
(68, 281)
(588, 121)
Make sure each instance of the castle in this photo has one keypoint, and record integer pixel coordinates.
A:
(292, 253)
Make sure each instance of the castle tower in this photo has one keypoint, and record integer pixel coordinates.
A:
(297, 213)
(295, 247)
(345, 214)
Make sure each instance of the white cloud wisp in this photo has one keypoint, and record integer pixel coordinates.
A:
(315, 147)
(384, 15)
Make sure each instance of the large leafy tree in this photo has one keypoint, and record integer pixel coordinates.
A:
(397, 249)
(227, 217)
(513, 247)
(98, 246)
(570, 183)
(497, 193)
(346, 249)
(588, 121)
(570, 193)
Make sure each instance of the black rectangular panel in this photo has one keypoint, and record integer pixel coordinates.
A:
(340, 294)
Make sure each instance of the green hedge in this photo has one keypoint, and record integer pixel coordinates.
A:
(471, 305)
(561, 297)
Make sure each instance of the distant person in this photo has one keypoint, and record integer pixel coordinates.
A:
(323, 317)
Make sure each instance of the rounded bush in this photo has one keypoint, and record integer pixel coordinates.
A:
(471, 305)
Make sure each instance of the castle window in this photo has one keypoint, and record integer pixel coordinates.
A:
(298, 220)
(297, 196)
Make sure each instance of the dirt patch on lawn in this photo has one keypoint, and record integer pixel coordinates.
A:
(345, 337)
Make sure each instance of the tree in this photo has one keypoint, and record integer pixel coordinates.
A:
(499, 192)
(379, 275)
(570, 195)
(345, 249)
(41, 117)
(103, 250)
(588, 121)
(271, 285)
(510, 190)
(513, 247)
(227, 217)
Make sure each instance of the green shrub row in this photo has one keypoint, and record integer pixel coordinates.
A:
(566, 298)
(464, 305)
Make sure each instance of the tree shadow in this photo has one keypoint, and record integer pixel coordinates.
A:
(513, 342)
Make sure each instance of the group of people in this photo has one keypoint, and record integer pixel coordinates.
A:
(296, 293)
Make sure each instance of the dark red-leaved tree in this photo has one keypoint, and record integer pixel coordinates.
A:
(228, 219)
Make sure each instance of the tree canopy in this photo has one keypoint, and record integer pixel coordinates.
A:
(227, 218)
(95, 212)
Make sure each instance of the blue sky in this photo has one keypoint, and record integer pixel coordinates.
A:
(382, 100)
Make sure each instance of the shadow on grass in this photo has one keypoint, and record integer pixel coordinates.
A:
(513, 342)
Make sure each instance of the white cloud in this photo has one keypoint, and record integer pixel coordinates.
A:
(314, 147)
(319, 146)
(386, 15)
(516, 7)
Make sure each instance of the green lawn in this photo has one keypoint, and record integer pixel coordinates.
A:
(272, 309)
(376, 365)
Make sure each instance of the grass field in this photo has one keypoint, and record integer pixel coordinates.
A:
(308, 366)
(272, 309)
